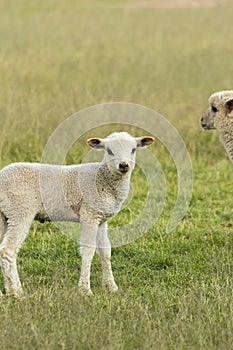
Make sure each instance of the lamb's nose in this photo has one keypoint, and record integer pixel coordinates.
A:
(123, 167)
(203, 124)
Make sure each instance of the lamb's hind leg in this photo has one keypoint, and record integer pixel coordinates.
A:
(104, 250)
(9, 247)
(3, 228)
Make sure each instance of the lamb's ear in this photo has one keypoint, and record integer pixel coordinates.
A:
(144, 141)
(95, 143)
(229, 108)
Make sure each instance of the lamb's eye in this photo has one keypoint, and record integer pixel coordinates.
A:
(133, 150)
(214, 109)
(110, 152)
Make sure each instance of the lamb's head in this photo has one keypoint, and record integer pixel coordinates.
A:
(221, 107)
(120, 150)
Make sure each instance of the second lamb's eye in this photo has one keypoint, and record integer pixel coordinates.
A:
(133, 150)
(110, 152)
(214, 109)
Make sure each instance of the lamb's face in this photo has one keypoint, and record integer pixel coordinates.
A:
(221, 107)
(120, 150)
(120, 155)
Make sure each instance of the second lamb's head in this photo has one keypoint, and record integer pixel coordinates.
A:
(220, 111)
(120, 151)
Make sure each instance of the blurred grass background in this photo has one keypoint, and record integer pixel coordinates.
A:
(57, 58)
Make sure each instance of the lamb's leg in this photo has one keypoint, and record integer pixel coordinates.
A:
(9, 248)
(3, 228)
(104, 250)
(87, 249)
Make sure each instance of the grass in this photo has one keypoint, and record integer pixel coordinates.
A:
(175, 289)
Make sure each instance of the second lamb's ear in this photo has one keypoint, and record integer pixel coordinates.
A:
(144, 141)
(229, 108)
(95, 143)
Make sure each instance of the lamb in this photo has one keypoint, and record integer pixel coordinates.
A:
(89, 193)
(219, 116)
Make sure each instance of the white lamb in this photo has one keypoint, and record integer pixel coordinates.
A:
(88, 193)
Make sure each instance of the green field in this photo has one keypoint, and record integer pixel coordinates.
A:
(175, 290)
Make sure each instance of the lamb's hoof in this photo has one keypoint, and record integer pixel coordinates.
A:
(110, 287)
(16, 294)
(113, 289)
(85, 291)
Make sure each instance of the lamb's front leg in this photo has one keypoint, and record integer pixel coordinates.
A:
(87, 249)
(104, 250)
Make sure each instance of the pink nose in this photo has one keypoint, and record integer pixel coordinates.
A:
(123, 167)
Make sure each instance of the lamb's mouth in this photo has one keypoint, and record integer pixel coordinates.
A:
(205, 127)
(123, 171)
(208, 127)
